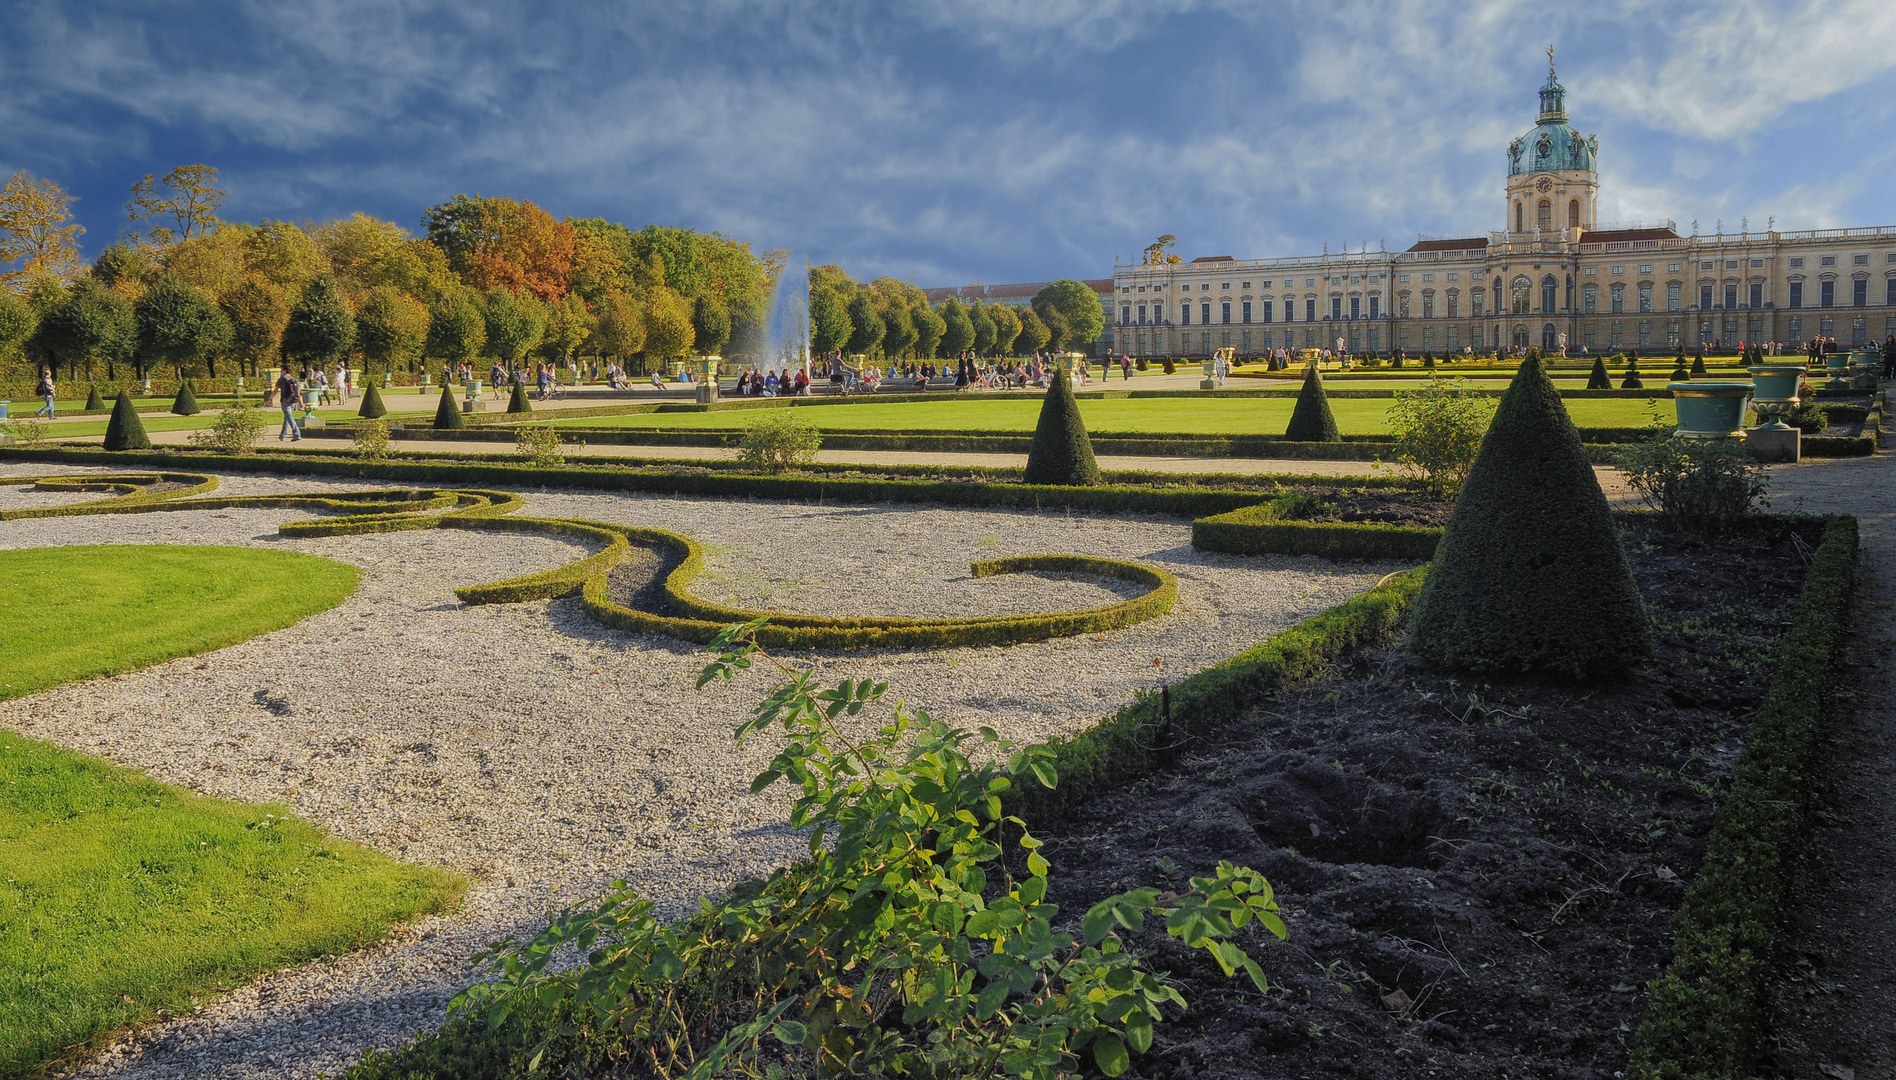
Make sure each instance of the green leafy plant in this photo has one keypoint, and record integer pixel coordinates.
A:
(1438, 428)
(235, 430)
(1704, 486)
(776, 439)
(26, 429)
(538, 443)
(905, 945)
(371, 440)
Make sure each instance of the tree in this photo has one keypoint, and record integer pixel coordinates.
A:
(1159, 252)
(320, 330)
(620, 330)
(515, 325)
(898, 329)
(364, 252)
(391, 329)
(984, 329)
(18, 322)
(1598, 379)
(668, 330)
(456, 329)
(34, 237)
(1079, 308)
(1529, 575)
(285, 255)
(958, 334)
(179, 325)
(125, 431)
(504, 243)
(1062, 453)
(1311, 420)
(92, 323)
(1034, 334)
(212, 262)
(929, 327)
(188, 197)
(867, 327)
(830, 293)
(568, 325)
(258, 313)
(124, 269)
(710, 325)
(1006, 328)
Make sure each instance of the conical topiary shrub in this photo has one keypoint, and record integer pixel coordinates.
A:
(1529, 575)
(1062, 453)
(1598, 379)
(125, 431)
(93, 400)
(186, 403)
(1698, 364)
(372, 407)
(1311, 420)
(1632, 380)
(1428, 359)
(517, 401)
(448, 414)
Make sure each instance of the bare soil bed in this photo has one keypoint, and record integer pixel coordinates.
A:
(1477, 875)
(1381, 508)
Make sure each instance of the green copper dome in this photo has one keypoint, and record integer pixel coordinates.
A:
(1552, 146)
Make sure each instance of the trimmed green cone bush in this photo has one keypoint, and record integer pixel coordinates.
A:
(1312, 420)
(93, 400)
(1698, 364)
(517, 401)
(186, 403)
(1170, 367)
(1428, 359)
(125, 431)
(448, 414)
(1598, 379)
(372, 407)
(1632, 380)
(1062, 453)
(1530, 576)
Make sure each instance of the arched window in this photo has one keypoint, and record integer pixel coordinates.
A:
(1548, 341)
(1520, 336)
(1573, 214)
(1549, 290)
(1519, 226)
(1523, 295)
(1428, 303)
(1544, 215)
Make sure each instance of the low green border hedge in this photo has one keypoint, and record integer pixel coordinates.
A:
(1259, 530)
(1709, 1013)
(134, 493)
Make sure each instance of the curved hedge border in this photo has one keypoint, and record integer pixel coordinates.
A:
(696, 620)
(134, 492)
(1260, 530)
(1709, 1013)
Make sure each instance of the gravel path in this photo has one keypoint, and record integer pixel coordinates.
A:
(543, 755)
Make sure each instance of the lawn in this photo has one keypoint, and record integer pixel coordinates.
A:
(168, 422)
(1222, 416)
(123, 896)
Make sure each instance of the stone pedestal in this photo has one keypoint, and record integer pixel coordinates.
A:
(1208, 384)
(470, 405)
(1775, 443)
(312, 421)
(707, 391)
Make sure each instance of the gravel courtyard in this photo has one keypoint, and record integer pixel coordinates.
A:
(544, 755)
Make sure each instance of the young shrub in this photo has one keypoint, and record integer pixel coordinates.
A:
(540, 444)
(26, 430)
(372, 407)
(1311, 420)
(186, 403)
(1438, 428)
(1811, 417)
(1530, 576)
(1632, 380)
(1704, 486)
(125, 431)
(371, 440)
(903, 945)
(235, 430)
(1062, 452)
(448, 415)
(1598, 379)
(776, 439)
(517, 402)
(93, 401)
(1698, 364)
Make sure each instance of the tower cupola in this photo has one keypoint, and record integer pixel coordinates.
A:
(1553, 95)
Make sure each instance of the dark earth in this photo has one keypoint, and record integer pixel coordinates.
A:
(1477, 874)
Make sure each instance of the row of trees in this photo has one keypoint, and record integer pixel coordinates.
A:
(891, 319)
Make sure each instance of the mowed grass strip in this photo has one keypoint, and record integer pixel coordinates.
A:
(167, 422)
(121, 897)
(73, 613)
(1207, 416)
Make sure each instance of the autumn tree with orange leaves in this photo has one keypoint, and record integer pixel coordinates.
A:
(505, 243)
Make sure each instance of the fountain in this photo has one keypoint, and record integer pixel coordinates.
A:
(787, 328)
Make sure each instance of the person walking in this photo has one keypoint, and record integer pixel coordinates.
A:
(1125, 368)
(45, 390)
(289, 395)
(1889, 357)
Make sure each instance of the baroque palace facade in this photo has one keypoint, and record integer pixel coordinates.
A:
(1553, 278)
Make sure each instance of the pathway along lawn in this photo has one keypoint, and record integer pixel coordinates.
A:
(124, 897)
(1212, 416)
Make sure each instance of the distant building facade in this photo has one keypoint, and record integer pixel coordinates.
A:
(1022, 295)
(1552, 277)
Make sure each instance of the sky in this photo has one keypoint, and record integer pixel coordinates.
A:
(951, 141)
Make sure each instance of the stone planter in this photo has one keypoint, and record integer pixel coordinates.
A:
(1775, 392)
(1710, 410)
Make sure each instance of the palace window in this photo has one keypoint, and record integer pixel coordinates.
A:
(1857, 330)
(1267, 311)
(1356, 307)
(1125, 314)
(1757, 264)
(1402, 279)
(1645, 296)
(1544, 215)
(1454, 300)
(1731, 264)
(1573, 213)
(1523, 295)
(1619, 301)
(1672, 268)
(1860, 293)
(1426, 278)
(1204, 312)
(1476, 300)
(1705, 297)
(1226, 286)
(1731, 296)
(1454, 277)
(1375, 309)
(1587, 335)
(1645, 333)
(1247, 284)
(1889, 299)
(1591, 271)
(1861, 260)
(1310, 315)
(1672, 335)
(1827, 295)
(1549, 294)
(1757, 294)
(1645, 268)
(1590, 299)
(1797, 295)
(1827, 260)
(1674, 301)
(1402, 304)
(1428, 305)
(1797, 264)
(1185, 314)
(1827, 327)
(1617, 269)
(1247, 311)
(1454, 337)
(1520, 225)
(1225, 314)
(1336, 307)
(1796, 329)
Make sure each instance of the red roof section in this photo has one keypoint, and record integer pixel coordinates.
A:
(1471, 243)
(1615, 236)
(1214, 258)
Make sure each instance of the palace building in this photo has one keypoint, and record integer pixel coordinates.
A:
(1553, 277)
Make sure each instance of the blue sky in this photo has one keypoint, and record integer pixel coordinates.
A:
(945, 142)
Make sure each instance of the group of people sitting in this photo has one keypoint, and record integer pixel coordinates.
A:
(774, 382)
